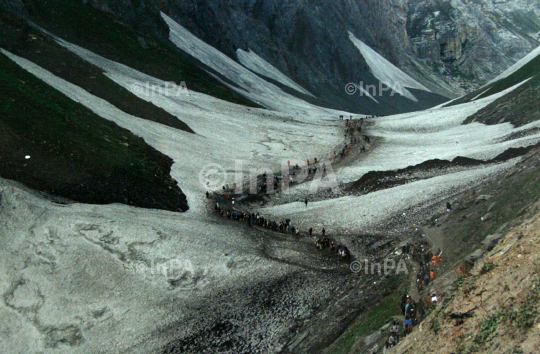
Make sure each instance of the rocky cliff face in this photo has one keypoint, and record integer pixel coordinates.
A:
(450, 46)
(473, 39)
(307, 41)
(455, 45)
(141, 15)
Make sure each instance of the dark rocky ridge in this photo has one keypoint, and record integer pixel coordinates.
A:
(450, 47)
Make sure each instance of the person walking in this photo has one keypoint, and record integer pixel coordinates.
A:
(310, 231)
(323, 231)
(306, 201)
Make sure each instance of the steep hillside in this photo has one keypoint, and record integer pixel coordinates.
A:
(87, 113)
(493, 308)
(147, 52)
(451, 46)
(53, 144)
(520, 106)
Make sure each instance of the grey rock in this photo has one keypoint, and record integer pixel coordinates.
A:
(385, 328)
(475, 256)
(372, 338)
(450, 46)
(483, 197)
(490, 241)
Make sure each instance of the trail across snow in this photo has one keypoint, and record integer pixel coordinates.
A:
(226, 134)
(412, 138)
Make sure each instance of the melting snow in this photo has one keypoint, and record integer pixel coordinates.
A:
(252, 86)
(79, 252)
(254, 62)
(385, 71)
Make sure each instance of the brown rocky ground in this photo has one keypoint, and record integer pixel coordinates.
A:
(494, 307)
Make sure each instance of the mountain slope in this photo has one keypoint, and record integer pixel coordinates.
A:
(520, 106)
(53, 144)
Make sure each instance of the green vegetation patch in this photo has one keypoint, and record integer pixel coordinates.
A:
(373, 319)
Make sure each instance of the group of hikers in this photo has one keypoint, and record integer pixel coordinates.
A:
(284, 226)
(427, 261)
(342, 251)
(252, 219)
(351, 128)
(410, 310)
(267, 183)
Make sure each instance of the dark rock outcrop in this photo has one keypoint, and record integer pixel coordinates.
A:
(141, 15)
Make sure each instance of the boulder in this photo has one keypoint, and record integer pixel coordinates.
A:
(475, 256)
(372, 338)
(385, 328)
(483, 197)
(490, 241)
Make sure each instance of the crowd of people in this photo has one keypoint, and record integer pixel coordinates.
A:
(284, 226)
(427, 261)
(267, 183)
(342, 251)
(253, 219)
(426, 272)
(409, 310)
(352, 127)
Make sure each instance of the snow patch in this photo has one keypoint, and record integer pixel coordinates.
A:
(385, 71)
(254, 62)
(251, 85)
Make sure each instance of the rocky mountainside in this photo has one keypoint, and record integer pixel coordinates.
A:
(472, 39)
(450, 47)
(491, 309)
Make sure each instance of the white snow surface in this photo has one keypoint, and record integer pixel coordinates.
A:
(518, 65)
(368, 211)
(254, 62)
(89, 239)
(251, 85)
(385, 71)
(412, 138)
(66, 263)
(227, 134)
